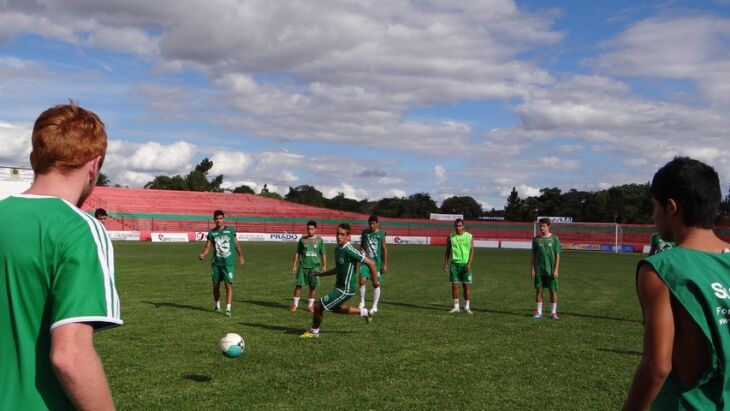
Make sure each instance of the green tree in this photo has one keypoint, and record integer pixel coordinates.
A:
(102, 180)
(513, 209)
(196, 180)
(305, 194)
(244, 189)
(390, 207)
(167, 183)
(465, 205)
(340, 202)
(419, 205)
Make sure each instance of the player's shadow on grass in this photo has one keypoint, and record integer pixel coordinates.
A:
(288, 330)
(597, 317)
(635, 353)
(269, 304)
(433, 307)
(159, 304)
(197, 378)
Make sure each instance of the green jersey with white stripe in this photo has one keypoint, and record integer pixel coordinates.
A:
(311, 251)
(56, 268)
(372, 243)
(223, 245)
(346, 259)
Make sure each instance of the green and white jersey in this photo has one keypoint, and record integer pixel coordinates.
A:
(346, 259)
(545, 249)
(223, 245)
(311, 251)
(659, 245)
(56, 268)
(372, 243)
(700, 282)
(460, 247)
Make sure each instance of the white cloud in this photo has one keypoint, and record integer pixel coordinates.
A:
(230, 164)
(440, 173)
(154, 156)
(16, 143)
(390, 180)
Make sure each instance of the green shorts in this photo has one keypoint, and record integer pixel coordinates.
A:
(546, 281)
(335, 298)
(222, 273)
(305, 277)
(459, 274)
(365, 270)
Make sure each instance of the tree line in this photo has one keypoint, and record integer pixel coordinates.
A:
(625, 204)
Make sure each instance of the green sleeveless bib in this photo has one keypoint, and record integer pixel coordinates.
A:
(700, 281)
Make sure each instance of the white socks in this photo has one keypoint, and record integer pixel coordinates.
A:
(362, 295)
(310, 301)
(296, 301)
(228, 307)
(315, 330)
(539, 308)
(376, 297)
(553, 308)
(466, 304)
(218, 305)
(456, 303)
(363, 312)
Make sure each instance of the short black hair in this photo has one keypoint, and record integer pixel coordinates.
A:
(693, 185)
(216, 213)
(312, 223)
(459, 220)
(100, 212)
(373, 218)
(544, 220)
(344, 226)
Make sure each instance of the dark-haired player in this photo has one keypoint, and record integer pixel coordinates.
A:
(457, 262)
(544, 265)
(685, 297)
(223, 240)
(309, 258)
(372, 243)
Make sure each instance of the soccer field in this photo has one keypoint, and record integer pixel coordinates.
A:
(415, 355)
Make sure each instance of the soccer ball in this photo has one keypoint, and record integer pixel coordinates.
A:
(231, 345)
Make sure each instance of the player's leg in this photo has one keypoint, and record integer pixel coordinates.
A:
(377, 290)
(465, 277)
(454, 278)
(313, 282)
(228, 279)
(554, 299)
(216, 278)
(364, 277)
(301, 280)
(295, 299)
(538, 298)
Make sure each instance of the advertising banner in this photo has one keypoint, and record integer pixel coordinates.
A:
(557, 220)
(203, 236)
(169, 237)
(522, 245)
(486, 243)
(404, 239)
(445, 217)
(251, 236)
(285, 237)
(124, 235)
(582, 247)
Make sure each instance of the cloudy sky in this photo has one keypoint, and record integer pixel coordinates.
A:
(379, 98)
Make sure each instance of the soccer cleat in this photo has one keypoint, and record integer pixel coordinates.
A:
(228, 313)
(537, 316)
(374, 310)
(369, 318)
(216, 310)
(361, 306)
(310, 308)
(455, 310)
(468, 311)
(293, 308)
(554, 316)
(308, 334)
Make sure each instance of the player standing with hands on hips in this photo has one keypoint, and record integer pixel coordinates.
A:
(460, 252)
(222, 237)
(544, 265)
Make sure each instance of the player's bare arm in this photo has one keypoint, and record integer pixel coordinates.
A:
(385, 257)
(447, 255)
(557, 265)
(294, 264)
(239, 250)
(656, 360)
(471, 255)
(326, 273)
(79, 368)
(205, 249)
(532, 266)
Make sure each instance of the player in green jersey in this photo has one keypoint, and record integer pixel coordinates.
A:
(372, 243)
(544, 266)
(222, 237)
(657, 244)
(685, 297)
(457, 261)
(56, 272)
(346, 260)
(310, 257)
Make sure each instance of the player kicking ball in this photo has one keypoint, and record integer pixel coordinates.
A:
(346, 259)
(544, 265)
(372, 243)
(222, 237)
(309, 258)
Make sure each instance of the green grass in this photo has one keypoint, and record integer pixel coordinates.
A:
(415, 355)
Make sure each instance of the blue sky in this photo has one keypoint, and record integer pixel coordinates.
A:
(379, 99)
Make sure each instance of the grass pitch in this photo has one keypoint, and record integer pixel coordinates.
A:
(415, 355)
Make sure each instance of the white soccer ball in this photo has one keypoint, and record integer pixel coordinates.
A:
(231, 345)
